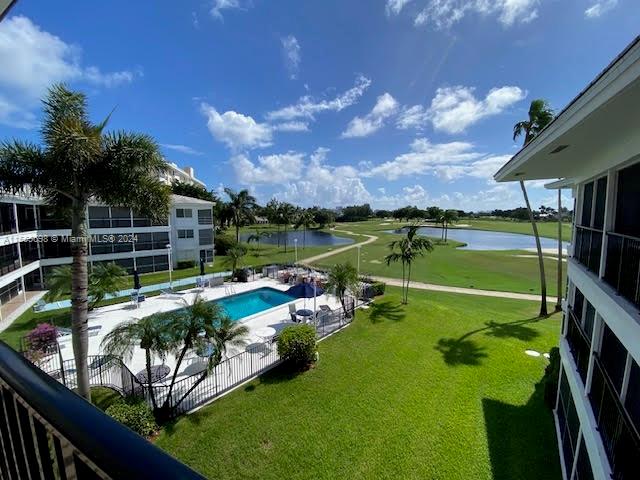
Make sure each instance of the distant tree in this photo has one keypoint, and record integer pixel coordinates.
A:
(191, 190)
(286, 213)
(406, 251)
(434, 213)
(272, 211)
(448, 217)
(234, 256)
(356, 213)
(79, 162)
(383, 213)
(304, 220)
(323, 217)
(259, 234)
(540, 115)
(241, 205)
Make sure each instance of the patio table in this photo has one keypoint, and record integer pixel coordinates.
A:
(266, 333)
(158, 372)
(304, 312)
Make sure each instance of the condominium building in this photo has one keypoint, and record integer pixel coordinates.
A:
(33, 239)
(593, 147)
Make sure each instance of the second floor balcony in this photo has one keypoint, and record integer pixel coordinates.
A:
(622, 266)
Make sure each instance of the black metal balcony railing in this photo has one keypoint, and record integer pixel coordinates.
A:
(579, 344)
(619, 436)
(588, 248)
(622, 270)
(47, 431)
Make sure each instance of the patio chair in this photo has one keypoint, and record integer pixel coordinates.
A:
(94, 330)
(292, 312)
(171, 293)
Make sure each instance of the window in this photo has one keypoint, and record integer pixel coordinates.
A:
(160, 240)
(627, 205)
(207, 255)
(184, 213)
(120, 217)
(614, 357)
(568, 423)
(9, 260)
(10, 291)
(583, 464)
(632, 400)
(185, 233)
(143, 241)
(205, 217)
(601, 199)
(589, 319)
(587, 200)
(205, 236)
(7, 219)
(99, 217)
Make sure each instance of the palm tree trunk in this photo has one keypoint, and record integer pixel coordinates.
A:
(237, 231)
(79, 296)
(285, 238)
(406, 301)
(446, 232)
(152, 394)
(304, 236)
(403, 280)
(175, 374)
(543, 279)
(559, 294)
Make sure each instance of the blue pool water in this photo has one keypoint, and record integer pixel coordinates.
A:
(249, 303)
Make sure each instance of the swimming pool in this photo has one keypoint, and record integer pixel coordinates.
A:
(249, 303)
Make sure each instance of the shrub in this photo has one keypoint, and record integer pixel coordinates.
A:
(41, 341)
(186, 264)
(297, 345)
(223, 243)
(378, 288)
(135, 414)
(550, 379)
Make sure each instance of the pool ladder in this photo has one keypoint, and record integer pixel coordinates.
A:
(229, 290)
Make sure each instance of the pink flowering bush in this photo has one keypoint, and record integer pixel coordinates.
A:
(40, 340)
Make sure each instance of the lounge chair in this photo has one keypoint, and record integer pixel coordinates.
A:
(39, 305)
(171, 293)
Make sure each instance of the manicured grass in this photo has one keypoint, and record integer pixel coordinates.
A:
(448, 265)
(440, 389)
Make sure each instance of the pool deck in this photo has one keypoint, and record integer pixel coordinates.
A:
(109, 317)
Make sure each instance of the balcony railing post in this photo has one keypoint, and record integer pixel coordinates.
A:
(620, 262)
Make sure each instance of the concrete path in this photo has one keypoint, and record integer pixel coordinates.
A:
(315, 258)
(397, 282)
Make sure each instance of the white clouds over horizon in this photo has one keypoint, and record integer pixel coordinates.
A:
(453, 109)
(385, 107)
(307, 107)
(600, 7)
(292, 55)
(32, 60)
(181, 149)
(443, 14)
(236, 130)
(269, 169)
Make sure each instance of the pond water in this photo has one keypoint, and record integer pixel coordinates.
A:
(314, 238)
(488, 240)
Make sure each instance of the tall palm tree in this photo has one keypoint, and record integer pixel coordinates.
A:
(273, 215)
(540, 115)
(241, 206)
(448, 217)
(76, 162)
(406, 250)
(255, 237)
(342, 277)
(286, 212)
(305, 220)
(149, 333)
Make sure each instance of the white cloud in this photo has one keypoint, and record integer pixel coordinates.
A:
(33, 59)
(292, 55)
(269, 169)
(236, 130)
(291, 127)
(220, 5)
(181, 148)
(446, 161)
(395, 6)
(385, 107)
(599, 8)
(453, 109)
(307, 107)
(412, 117)
(443, 14)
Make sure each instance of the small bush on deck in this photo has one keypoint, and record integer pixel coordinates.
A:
(297, 345)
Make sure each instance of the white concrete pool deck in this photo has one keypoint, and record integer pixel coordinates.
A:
(109, 317)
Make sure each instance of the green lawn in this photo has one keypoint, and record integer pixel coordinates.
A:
(441, 389)
(448, 265)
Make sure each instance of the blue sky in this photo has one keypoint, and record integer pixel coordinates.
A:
(390, 102)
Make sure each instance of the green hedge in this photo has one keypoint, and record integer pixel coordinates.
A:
(182, 264)
(135, 414)
(297, 345)
(378, 288)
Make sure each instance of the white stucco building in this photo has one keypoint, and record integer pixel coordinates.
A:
(593, 146)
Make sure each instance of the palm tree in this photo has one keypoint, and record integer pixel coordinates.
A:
(540, 115)
(241, 206)
(220, 333)
(255, 237)
(76, 162)
(286, 212)
(448, 217)
(408, 249)
(234, 256)
(273, 215)
(305, 220)
(104, 279)
(149, 333)
(342, 277)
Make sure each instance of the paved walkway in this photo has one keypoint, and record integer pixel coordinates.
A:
(397, 282)
(315, 258)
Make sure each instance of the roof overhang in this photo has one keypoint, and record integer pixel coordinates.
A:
(5, 6)
(596, 131)
(559, 184)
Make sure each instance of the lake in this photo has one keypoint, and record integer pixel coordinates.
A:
(488, 240)
(314, 238)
